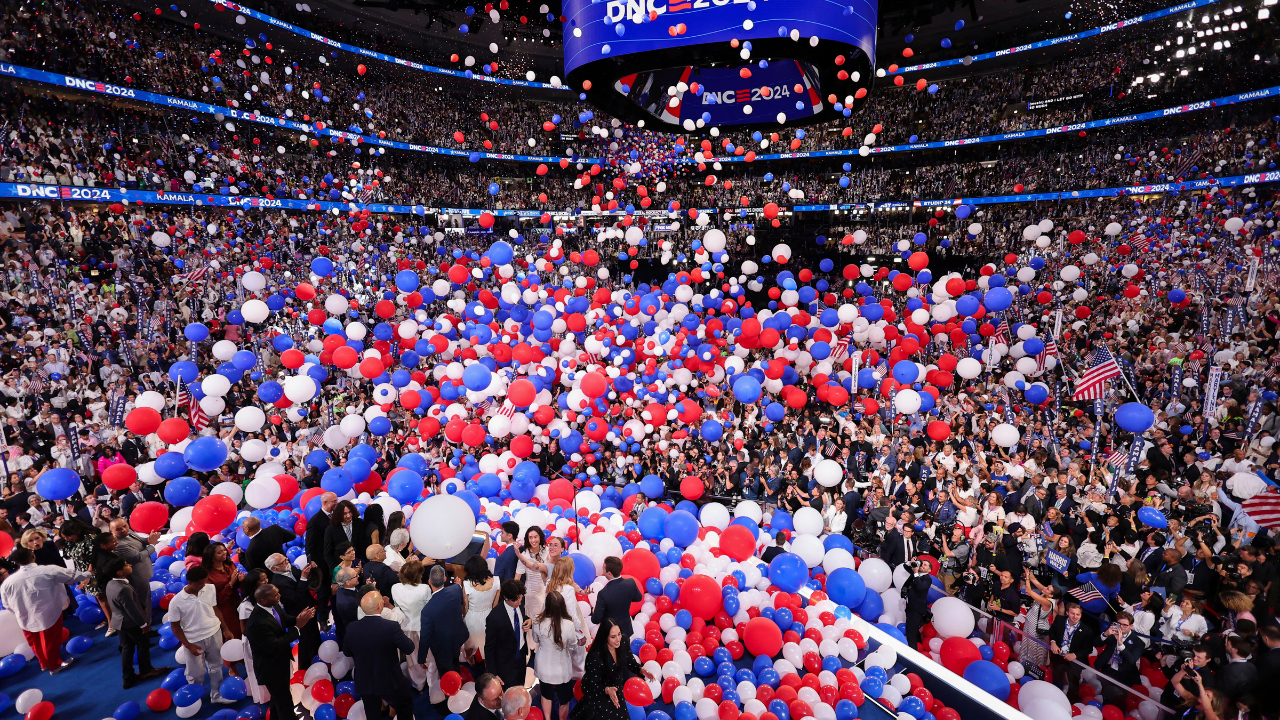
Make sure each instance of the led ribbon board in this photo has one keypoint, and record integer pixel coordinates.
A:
(796, 62)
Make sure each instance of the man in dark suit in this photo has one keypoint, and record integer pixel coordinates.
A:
(1268, 661)
(1035, 503)
(899, 545)
(316, 526)
(377, 572)
(442, 629)
(505, 649)
(270, 632)
(346, 602)
(263, 542)
(374, 645)
(1161, 457)
(1239, 677)
(487, 704)
(504, 568)
(1170, 574)
(1070, 640)
(131, 500)
(345, 525)
(916, 591)
(1118, 658)
(295, 597)
(1152, 554)
(776, 549)
(1062, 499)
(615, 598)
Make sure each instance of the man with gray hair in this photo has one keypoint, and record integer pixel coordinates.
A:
(346, 601)
(397, 549)
(376, 570)
(295, 597)
(516, 704)
(442, 629)
(487, 703)
(374, 646)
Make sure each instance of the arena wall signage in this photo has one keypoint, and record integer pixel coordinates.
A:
(747, 63)
(32, 191)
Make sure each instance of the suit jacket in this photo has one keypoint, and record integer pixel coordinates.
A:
(382, 576)
(137, 553)
(128, 503)
(480, 712)
(269, 541)
(375, 644)
(1034, 507)
(1130, 652)
(614, 601)
(770, 553)
(1173, 577)
(126, 610)
(1082, 642)
(1268, 691)
(500, 655)
(345, 606)
(1157, 460)
(1238, 678)
(314, 543)
(294, 595)
(270, 642)
(894, 550)
(1152, 561)
(504, 568)
(334, 536)
(442, 628)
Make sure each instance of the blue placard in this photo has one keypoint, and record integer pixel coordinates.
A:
(1057, 561)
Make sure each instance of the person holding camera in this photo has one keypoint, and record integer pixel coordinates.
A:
(955, 558)
(916, 592)
(1006, 599)
(1119, 656)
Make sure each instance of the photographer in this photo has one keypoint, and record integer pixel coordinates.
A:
(955, 557)
(1005, 600)
(1182, 686)
(916, 592)
(1119, 656)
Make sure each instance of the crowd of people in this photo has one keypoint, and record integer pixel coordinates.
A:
(1127, 565)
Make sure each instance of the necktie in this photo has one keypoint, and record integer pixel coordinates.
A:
(276, 615)
(1066, 638)
(347, 530)
(515, 624)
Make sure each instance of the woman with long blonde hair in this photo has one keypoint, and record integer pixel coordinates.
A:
(561, 582)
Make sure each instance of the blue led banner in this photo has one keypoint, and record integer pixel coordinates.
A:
(627, 54)
(1060, 40)
(1270, 92)
(129, 93)
(31, 191)
(467, 74)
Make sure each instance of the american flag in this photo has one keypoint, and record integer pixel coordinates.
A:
(1264, 508)
(841, 350)
(193, 276)
(1118, 459)
(1092, 384)
(1086, 593)
(37, 381)
(1050, 348)
(198, 418)
(483, 406)
(1002, 333)
(507, 410)
(1141, 243)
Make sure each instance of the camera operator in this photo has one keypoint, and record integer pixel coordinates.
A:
(1185, 508)
(955, 557)
(916, 591)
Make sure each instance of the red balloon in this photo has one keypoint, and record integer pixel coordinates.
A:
(701, 596)
(42, 710)
(213, 514)
(371, 368)
(450, 683)
(736, 541)
(762, 636)
(939, 430)
(692, 487)
(594, 384)
(640, 564)
(946, 713)
(142, 421)
(148, 517)
(119, 476)
(288, 487)
(637, 692)
(1111, 712)
(522, 393)
(342, 704)
(173, 430)
(957, 653)
(159, 699)
(345, 357)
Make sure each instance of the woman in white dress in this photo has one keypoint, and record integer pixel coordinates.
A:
(479, 596)
(410, 595)
(557, 636)
(533, 570)
(562, 584)
(255, 578)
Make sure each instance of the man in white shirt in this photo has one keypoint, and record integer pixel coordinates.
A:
(192, 618)
(37, 595)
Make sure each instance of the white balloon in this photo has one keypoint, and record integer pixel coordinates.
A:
(876, 574)
(809, 548)
(254, 311)
(189, 710)
(223, 350)
(442, 526)
(299, 388)
(807, 521)
(230, 489)
(151, 399)
(828, 473)
(253, 281)
(262, 493)
(1005, 435)
(233, 650)
(28, 699)
(250, 419)
(952, 617)
(906, 401)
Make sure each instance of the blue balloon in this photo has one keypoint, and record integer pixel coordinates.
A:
(182, 491)
(846, 587)
(1135, 417)
(127, 711)
(652, 523)
(1152, 517)
(338, 481)
(195, 332)
(988, 676)
(905, 372)
(58, 484)
(652, 487)
(79, 644)
(11, 665)
(872, 686)
(476, 377)
(205, 454)
(997, 299)
(233, 688)
(584, 569)
(405, 486)
(746, 389)
(871, 608)
(681, 527)
(188, 695)
(711, 430)
(244, 360)
(406, 281)
(789, 572)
